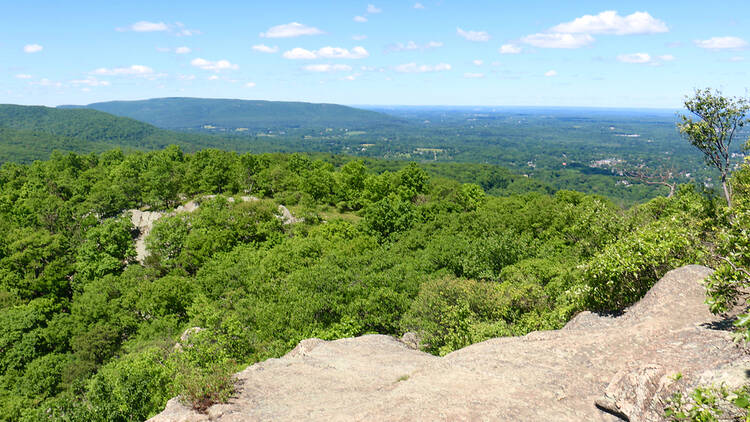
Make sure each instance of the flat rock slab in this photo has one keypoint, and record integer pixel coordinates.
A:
(596, 369)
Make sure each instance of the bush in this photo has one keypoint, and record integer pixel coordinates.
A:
(390, 215)
(203, 371)
(709, 404)
(133, 388)
(451, 313)
(624, 271)
(727, 286)
(43, 376)
(202, 387)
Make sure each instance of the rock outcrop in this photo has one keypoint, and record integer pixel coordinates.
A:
(144, 220)
(595, 369)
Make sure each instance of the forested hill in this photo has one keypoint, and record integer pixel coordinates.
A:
(29, 133)
(198, 113)
(89, 125)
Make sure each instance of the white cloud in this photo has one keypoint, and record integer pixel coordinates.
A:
(545, 40)
(359, 37)
(409, 46)
(478, 62)
(509, 49)
(300, 54)
(645, 58)
(216, 66)
(178, 50)
(731, 59)
(412, 46)
(722, 43)
(414, 68)
(577, 33)
(90, 81)
(418, 6)
(213, 78)
(186, 77)
(23, 76)
(290, 30)
(178, 28)
(372, 9)
(250, 85)
(134, 70)
(342, 53)
(635, 58)
(326, 53)
(476, 36)
(32, 48)
(184, 32)
(146, 26)
(473, 75)
(550, 73)
(609, 22)
(360, 19)
(352, 77)
(266, 49)
(47, 82)
(320, 68)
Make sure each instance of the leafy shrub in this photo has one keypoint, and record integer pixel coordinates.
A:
(471, 196)
(132, 388)
(709, 404)
(451, 313)
(202, 387)
(186, 241)
(478, 257)
(390, 215)
(108, 248)
(727, 286)
(203, 371)
(43, 376)
(625, 270)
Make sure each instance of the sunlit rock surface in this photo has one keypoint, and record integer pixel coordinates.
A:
(624, 365)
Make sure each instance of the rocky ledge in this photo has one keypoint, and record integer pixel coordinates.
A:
(595, 369)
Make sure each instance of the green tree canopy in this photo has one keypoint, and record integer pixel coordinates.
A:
(719, 118)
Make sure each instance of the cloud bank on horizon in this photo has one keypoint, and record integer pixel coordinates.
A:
(639, 54)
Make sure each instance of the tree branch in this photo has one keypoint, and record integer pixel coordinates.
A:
(734, 267)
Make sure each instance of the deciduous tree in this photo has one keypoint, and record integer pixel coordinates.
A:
(718, 120)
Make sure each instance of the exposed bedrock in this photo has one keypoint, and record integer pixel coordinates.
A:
(595, 369)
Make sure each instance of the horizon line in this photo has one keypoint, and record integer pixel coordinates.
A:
(365, 105)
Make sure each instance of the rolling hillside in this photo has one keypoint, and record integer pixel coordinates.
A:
(197, 113)
(29, 133)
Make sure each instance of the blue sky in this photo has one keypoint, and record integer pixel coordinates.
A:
(443, 52)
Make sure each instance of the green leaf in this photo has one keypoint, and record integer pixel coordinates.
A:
(742, 402)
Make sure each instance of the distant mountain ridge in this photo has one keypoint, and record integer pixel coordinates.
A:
(29, 133)
(90, 125)
(183, 113)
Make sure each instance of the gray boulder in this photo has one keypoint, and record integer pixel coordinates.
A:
(596, 369)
